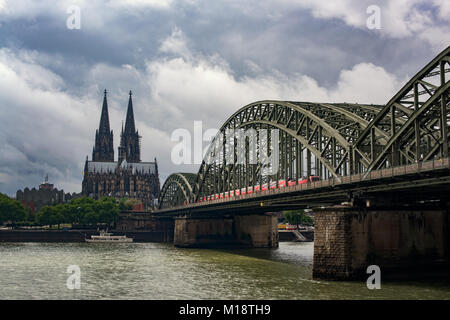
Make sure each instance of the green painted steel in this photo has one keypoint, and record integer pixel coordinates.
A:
(177, 190)
(328, 140)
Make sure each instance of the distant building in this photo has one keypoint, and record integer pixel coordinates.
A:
(45, 185)
(35, 199)
(126, 178)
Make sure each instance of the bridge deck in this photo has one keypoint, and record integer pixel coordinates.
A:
(325, 192)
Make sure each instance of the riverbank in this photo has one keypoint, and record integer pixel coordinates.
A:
(77, 235)
(9, 235)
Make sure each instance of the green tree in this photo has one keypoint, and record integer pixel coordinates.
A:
(81, 211)
(65, 211)
(296, 217)
(90, 217)
(43, 217)
(30, 217)
(107, 209)
(58, 214)
(50, 215)
(79, 208)
(11, 210)
(293, 217)
(125, 204)
(307, 220)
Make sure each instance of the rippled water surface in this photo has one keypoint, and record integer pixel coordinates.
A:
(160, 271)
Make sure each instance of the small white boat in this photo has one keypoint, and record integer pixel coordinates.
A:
(108, 237)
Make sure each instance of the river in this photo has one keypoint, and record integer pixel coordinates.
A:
(161, 271)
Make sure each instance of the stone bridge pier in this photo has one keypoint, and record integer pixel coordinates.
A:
(234, 230)
(240, 230)
(405, 243)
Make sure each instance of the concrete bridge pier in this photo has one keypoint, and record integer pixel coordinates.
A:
(404, 243)
(258, 231)
(145, 227)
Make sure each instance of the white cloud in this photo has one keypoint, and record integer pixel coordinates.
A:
(444, 8)
(43, 128)
(94, 15)
(161, 4)
(399, 18)
(365, 83)
(198, 87)
(3, 5)
(192, 90)
(176, 43)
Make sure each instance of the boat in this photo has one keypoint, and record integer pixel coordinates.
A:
(108, 237)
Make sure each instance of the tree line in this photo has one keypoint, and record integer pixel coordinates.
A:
(296, 217)
(12, 210)
(84, 210)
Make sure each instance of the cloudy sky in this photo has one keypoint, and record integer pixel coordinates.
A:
(185, 61)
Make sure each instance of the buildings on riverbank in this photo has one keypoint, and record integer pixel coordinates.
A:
(47, 194)
(128, 177)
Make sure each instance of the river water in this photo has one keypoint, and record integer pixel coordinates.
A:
(161, 271)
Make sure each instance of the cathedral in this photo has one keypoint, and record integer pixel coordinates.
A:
(126, 178)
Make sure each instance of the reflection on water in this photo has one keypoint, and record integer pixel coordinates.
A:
(160, 271)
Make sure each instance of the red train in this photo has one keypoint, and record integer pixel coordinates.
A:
(258, 188)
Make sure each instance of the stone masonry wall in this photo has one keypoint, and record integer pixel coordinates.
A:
(257, 230)
(203, 232)
(332, 245)
(347, 240)
(249, 231)
(138, 222)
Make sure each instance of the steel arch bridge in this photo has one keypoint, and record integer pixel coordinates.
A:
(327, 140)
(178, 189)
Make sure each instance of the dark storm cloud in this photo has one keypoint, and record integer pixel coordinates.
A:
(290, 42)
(185, 61)
(294, 42)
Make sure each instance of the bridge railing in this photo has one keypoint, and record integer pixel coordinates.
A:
(430, 165)
(417, 167)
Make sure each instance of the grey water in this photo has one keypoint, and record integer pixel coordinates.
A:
(161, 271)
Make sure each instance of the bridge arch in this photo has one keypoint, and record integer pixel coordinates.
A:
(314, 139)
(177, 190)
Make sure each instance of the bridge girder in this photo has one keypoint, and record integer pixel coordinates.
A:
(325, 131)
(177, 190)
(415, 122)
(326, 139)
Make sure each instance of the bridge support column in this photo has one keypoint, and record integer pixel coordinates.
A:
(145, 227)
(239, 230)
(403, 243)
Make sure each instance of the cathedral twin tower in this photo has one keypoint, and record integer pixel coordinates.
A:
(128, 177)
(129, 148)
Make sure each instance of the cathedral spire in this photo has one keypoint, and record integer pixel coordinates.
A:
(129, 122)
(103, 148)
(130, 148)
(104, 118)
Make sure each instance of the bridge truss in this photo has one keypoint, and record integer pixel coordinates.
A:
(328, 140)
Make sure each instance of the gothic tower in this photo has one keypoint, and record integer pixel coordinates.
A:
(128, 177)
(130, 148)
(103, 148)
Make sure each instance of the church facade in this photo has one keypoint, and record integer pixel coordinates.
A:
(128, 177)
